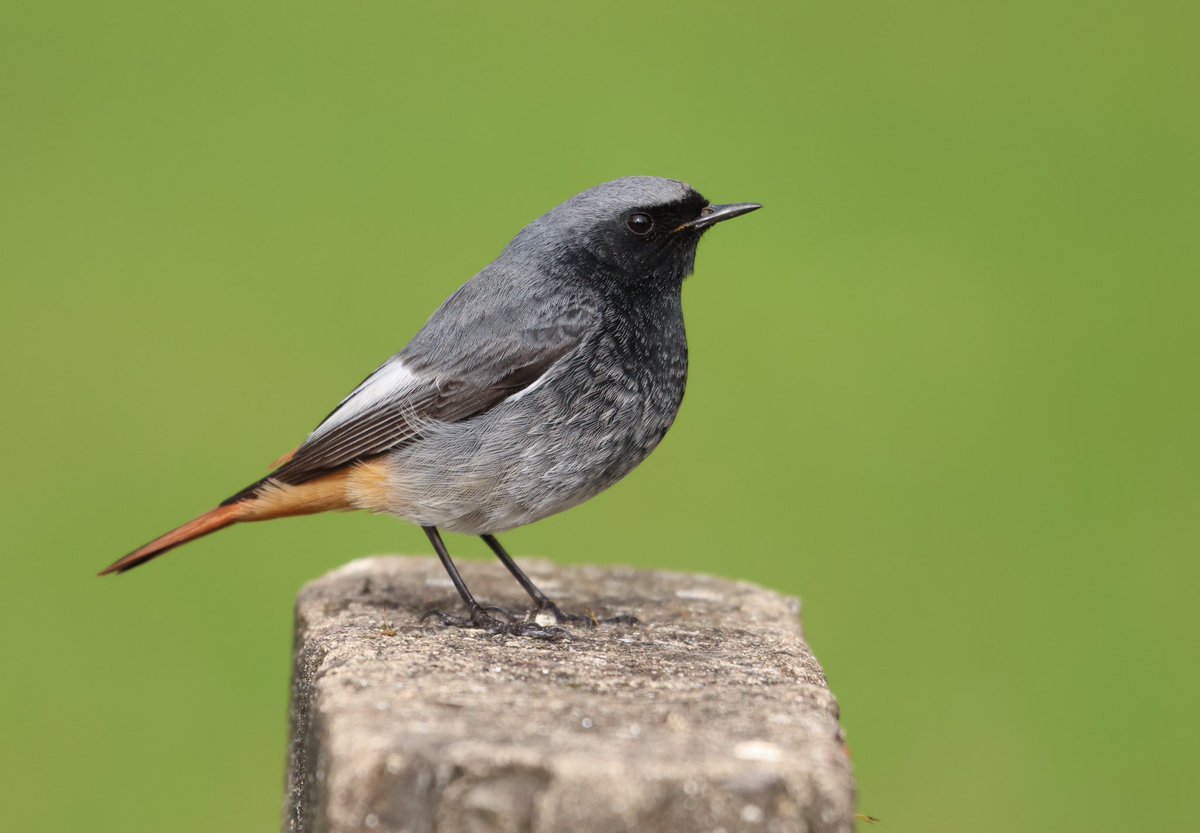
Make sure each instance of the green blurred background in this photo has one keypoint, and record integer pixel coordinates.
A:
(943, 387)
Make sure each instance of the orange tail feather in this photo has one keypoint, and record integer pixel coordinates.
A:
(363, 486)
(210, 521)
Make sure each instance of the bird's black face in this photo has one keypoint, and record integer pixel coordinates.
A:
(636, 233)
(656, 243)
(640, 238)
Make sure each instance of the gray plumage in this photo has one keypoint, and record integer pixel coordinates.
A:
(541, 382)
(545, 379)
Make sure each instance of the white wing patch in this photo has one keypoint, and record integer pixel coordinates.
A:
(537, 383)
(389, 382)
(392, 382)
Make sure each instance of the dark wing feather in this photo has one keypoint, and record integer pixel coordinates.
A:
(397, 422)
(495, 336)
(469, 358)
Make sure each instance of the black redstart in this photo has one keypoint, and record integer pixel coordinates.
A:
(542, 381)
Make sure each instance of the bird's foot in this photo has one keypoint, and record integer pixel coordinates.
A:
(550, 613)
(481, 619)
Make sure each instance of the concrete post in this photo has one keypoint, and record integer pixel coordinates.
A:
(711, 715)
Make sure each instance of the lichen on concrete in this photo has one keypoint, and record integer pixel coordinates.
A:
(710, 715)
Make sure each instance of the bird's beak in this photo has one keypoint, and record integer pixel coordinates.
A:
(713, 214)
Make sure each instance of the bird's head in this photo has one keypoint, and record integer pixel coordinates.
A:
(640, 230)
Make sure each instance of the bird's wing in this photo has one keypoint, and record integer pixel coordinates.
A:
(454, 369)
(391, 407)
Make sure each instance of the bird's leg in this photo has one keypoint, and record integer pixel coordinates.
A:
(542, 602)
(478, 617)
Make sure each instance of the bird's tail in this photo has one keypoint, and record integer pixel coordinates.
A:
(361, 486)
(210, 521)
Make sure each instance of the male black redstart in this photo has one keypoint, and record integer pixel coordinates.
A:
(542, 381)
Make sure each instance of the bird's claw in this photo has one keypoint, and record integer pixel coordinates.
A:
(552, 612)
(504, 613)
(480, 619)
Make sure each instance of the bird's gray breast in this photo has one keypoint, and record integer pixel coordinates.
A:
(589, 421)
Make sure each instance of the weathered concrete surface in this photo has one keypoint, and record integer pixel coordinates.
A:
(711, 715)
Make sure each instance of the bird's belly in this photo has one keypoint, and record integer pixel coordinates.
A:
(526, 460)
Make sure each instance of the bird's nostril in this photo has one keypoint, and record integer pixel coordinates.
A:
(706, 211)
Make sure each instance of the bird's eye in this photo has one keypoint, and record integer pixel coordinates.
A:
(640, 223)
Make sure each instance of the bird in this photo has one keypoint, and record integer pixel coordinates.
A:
(542, 381)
